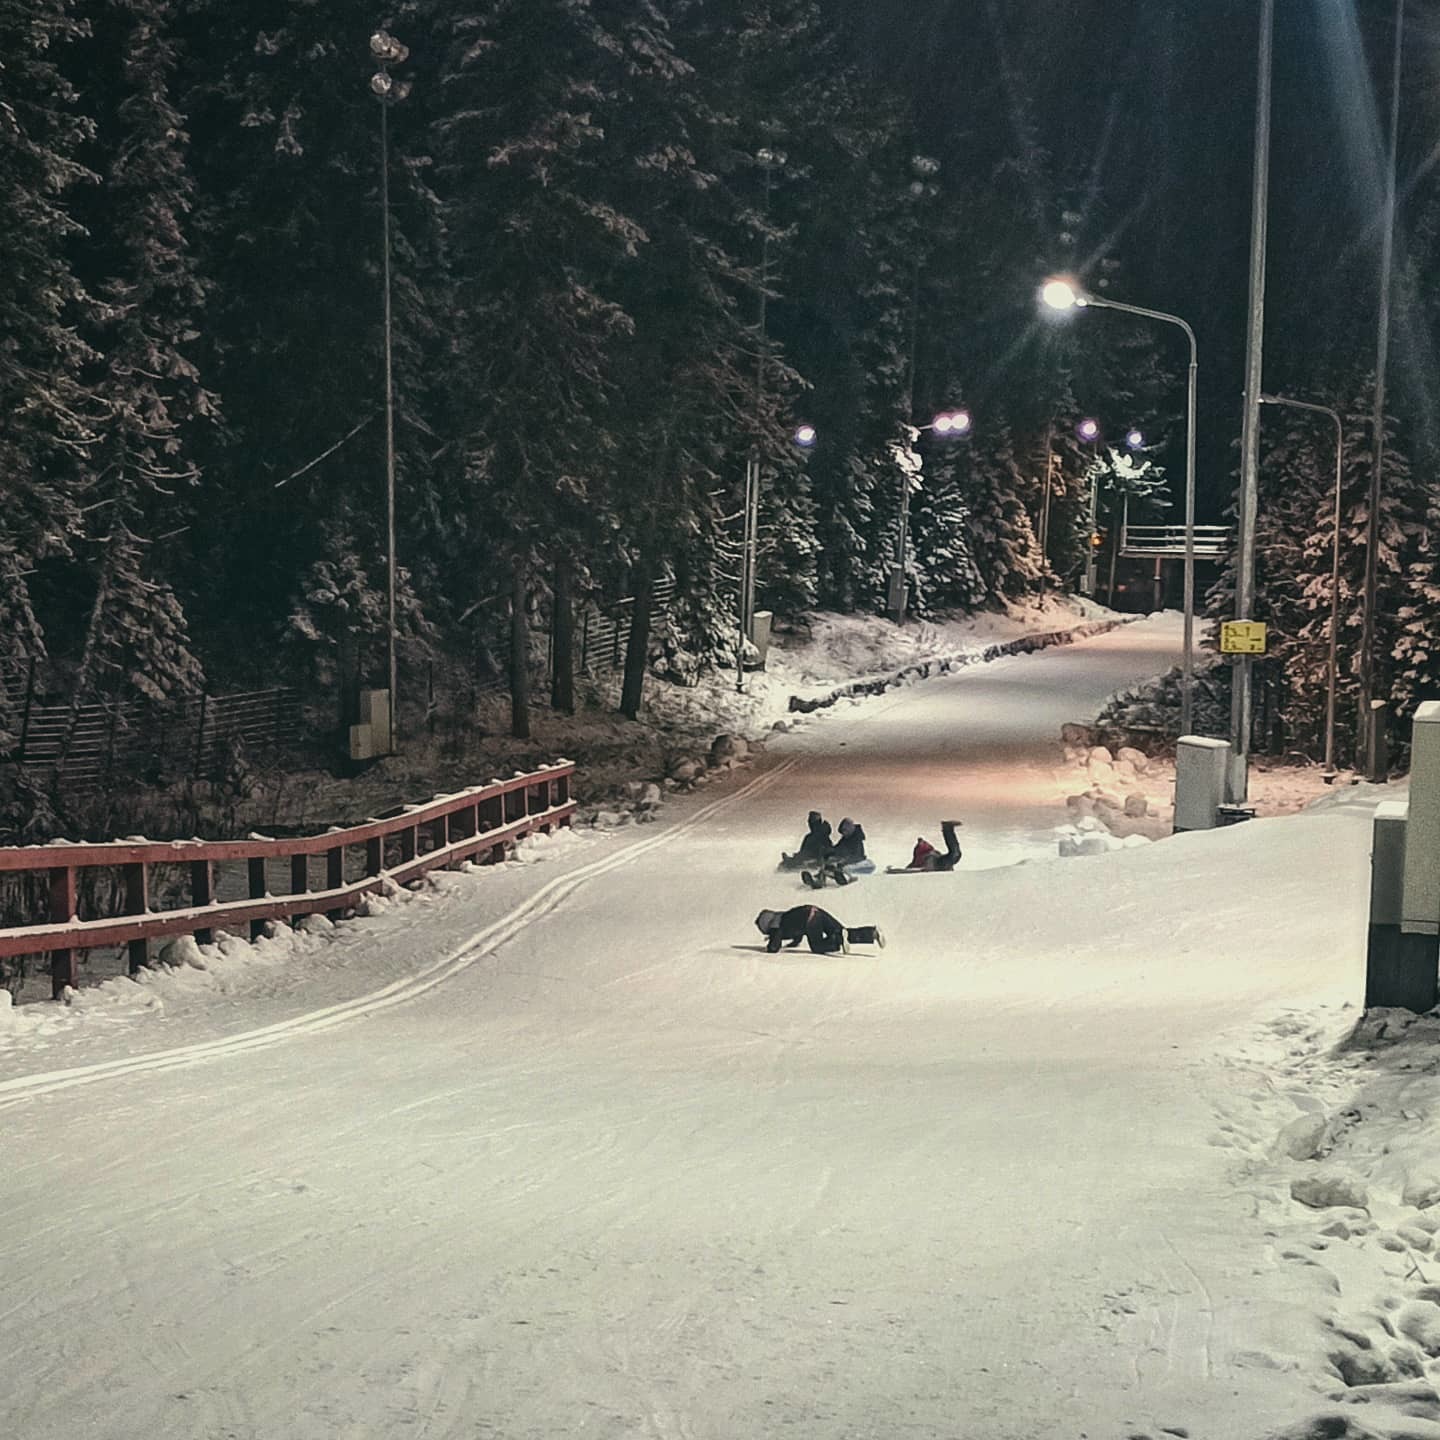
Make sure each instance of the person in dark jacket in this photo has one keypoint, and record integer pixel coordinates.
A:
(813, 848)
(847, 858)
(926, 857)
(809, 922)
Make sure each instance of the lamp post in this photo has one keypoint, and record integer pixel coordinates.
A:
(922, 186)
(388, 52)
(1368, 750)
(1134, 442)
(769, 161)
(1089, 431)
(1331, 665)
(1062, 295)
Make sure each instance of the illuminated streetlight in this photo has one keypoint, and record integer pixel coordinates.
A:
(1088, 430)
(950, 422)
(1061, 294)
(805, 436)
(1135, 439)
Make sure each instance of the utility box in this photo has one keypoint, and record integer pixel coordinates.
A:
(362, 743)
(1400, 967)
(375, 715)
(1420, 908)
(760, 636)
(1200, 766)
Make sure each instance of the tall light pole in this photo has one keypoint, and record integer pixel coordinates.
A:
(769, 161)
(1241, 705)
(1332, 662)
(388, 52)
(924, 169)
(1382, 356)
(1089, 431)
(1062, 295)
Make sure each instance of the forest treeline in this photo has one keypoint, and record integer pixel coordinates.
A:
(632, 243)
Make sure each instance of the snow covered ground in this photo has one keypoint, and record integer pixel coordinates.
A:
(556, 1147)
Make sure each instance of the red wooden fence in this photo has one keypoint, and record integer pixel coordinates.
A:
(482, 820)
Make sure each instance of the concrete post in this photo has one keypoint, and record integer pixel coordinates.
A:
(1200, 766)
(1421, 904)
(1400, 968)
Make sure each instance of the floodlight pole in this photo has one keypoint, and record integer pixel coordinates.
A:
(1241, 702)
(1187, 672)
(1382, 355)
(1332, 662)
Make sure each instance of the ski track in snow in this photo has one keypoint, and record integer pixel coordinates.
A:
(485, 942)
(1009, 1180)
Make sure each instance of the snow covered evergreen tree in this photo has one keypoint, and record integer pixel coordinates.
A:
(1002, 539)
(47, 419)
(141, 472)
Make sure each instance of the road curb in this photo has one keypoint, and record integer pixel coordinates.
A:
(945, 664)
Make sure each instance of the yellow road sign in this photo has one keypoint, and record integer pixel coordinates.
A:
(1242, 637)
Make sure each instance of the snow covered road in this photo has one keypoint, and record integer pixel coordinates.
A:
(621, 1173)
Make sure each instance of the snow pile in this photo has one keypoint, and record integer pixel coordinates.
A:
(1122, 801)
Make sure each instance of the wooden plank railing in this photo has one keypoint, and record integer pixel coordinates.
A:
(483, 820)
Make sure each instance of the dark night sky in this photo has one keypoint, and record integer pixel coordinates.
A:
(1154, 100)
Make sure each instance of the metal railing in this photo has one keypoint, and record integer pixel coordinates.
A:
(1212, 542)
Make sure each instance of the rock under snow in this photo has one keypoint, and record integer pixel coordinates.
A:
(182, 951)
(1137, 759)
(1099, 755)
(1421, 1189)
(685, 770)
(1329, 1187)
(1137, 807)
(1420, 1322)
(651, 797)
(1303, 1137)
(728, 747)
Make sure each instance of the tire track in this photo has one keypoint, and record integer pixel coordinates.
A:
(543, 902)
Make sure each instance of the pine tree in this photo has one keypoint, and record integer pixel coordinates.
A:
(1001, 536)
(141, 472)
(287, 157)
(47, 420)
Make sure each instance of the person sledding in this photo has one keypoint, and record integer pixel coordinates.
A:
(809, 922)
(845, 861)
(926, 857)
(813, 848)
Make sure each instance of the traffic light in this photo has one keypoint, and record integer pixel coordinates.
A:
(1096, 540)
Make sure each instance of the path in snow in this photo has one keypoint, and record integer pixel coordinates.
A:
(628, 1175)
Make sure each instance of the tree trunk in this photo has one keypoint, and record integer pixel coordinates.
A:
(562, 634)
(519, 653)
(637, 647)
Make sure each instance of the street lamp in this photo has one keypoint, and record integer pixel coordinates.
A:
(769, 161)
(1331, 666)
(1062, 295)
(805, 437)
(924, 169)
(1134, 439)
(950, 422)
(387, 51)
(1088, 430)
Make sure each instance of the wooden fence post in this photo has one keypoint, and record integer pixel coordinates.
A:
(202, 892)
(259, 889)
(137, 902)
(299, 879)
(334, 877)
(375, 855)
(64, 968)
(409, 843)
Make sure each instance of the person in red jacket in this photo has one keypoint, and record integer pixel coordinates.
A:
(809, 922)
(926, 857)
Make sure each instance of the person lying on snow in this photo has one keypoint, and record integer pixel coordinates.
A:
(846, 859)
(809, 922)
(926, 857)
(813, 848)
